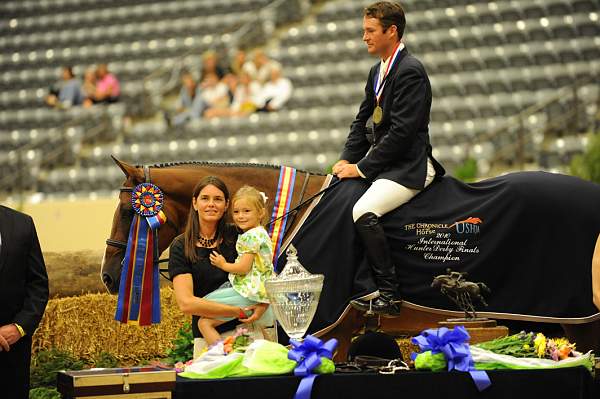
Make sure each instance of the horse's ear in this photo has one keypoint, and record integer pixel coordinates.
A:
(129, 170)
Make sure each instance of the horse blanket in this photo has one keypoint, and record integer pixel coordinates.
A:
(528, 236)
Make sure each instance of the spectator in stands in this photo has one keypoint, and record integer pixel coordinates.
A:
(191, 105)
(246, 96)
(108, 88)
(215, 95)
(89, 87)
(396, 158)
(210, 65)
(237, 63)
(67, 92)
(276, 92)
(260, 67)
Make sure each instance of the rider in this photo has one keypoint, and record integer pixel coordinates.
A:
(398, 160)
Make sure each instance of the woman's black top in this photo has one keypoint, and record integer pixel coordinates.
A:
(206, 277)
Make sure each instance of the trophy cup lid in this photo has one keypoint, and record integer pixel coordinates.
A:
(294, 271)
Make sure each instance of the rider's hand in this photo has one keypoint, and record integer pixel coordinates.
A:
(348, 171)
(337, 167)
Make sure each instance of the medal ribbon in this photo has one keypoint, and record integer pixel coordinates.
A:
(379, 88)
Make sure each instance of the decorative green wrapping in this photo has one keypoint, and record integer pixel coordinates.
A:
(429, 361)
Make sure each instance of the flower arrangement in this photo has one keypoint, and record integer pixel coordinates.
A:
(530, 345)
(237, 342)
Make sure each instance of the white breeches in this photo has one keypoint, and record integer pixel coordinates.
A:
(386, 195)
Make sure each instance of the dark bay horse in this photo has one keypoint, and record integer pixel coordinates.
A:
(177, 180)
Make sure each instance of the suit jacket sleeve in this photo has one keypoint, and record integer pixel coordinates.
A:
(36, 288)
(357, 143)
(411, 98)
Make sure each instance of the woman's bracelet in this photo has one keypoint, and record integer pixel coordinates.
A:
(242, 314)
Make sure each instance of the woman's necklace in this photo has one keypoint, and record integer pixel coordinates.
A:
(207, 242)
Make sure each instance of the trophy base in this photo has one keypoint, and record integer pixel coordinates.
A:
(480, 329)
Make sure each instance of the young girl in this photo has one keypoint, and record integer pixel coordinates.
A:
(252, 267)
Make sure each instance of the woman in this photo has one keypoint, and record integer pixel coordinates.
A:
(189, 264)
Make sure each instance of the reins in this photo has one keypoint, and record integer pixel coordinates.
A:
(306, 201)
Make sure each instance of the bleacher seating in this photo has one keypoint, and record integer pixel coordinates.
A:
(487, 62)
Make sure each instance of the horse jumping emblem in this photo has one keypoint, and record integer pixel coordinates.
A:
(460, 291)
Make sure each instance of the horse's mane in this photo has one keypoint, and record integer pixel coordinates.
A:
(221, 164)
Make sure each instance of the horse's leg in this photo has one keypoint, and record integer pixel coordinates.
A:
(596, 274)
(586, 336)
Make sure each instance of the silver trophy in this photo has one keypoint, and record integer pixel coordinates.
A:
(294, 295)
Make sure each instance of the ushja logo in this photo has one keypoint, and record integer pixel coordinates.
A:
(468, 226)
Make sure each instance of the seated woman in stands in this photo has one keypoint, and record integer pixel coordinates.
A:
(67, 92)
(108, 88)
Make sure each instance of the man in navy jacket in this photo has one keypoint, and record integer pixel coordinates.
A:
(388, 144)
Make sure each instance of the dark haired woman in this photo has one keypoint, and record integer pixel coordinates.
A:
(190, 269)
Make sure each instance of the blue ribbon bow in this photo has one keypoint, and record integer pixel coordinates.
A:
(452, 343)
(308, 355)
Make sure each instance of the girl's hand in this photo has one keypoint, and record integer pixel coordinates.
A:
(257, 311)
(216, 259)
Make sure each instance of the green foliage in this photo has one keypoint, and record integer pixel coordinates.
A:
(518, 345)
(183, 346)
(329, 169)
(44, 393)
(105, 360)
(467, 171)
(47, 363)
(587, 165)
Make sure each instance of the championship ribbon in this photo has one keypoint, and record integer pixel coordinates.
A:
(139, 293)
(453, 344)
(308, 354)
(283, 199)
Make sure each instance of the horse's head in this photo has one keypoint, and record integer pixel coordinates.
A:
(123, 216)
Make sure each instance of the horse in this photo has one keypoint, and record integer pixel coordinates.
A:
(177, 180)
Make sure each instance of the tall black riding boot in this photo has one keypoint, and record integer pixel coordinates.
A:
(380, 259)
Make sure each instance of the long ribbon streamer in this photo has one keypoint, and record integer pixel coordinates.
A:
(308, 354)
(283, 199)
(139, 293)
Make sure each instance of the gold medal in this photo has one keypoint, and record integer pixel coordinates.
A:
(377, 114)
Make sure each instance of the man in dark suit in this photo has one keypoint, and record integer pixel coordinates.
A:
(388, 145)
(23, 298)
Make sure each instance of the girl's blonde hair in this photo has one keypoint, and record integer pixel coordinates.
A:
(254, 197)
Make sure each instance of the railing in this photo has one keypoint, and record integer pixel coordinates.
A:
(63, 153)
(519, 144)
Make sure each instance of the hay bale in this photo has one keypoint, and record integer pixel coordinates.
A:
(85, 326)
(74, 273)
